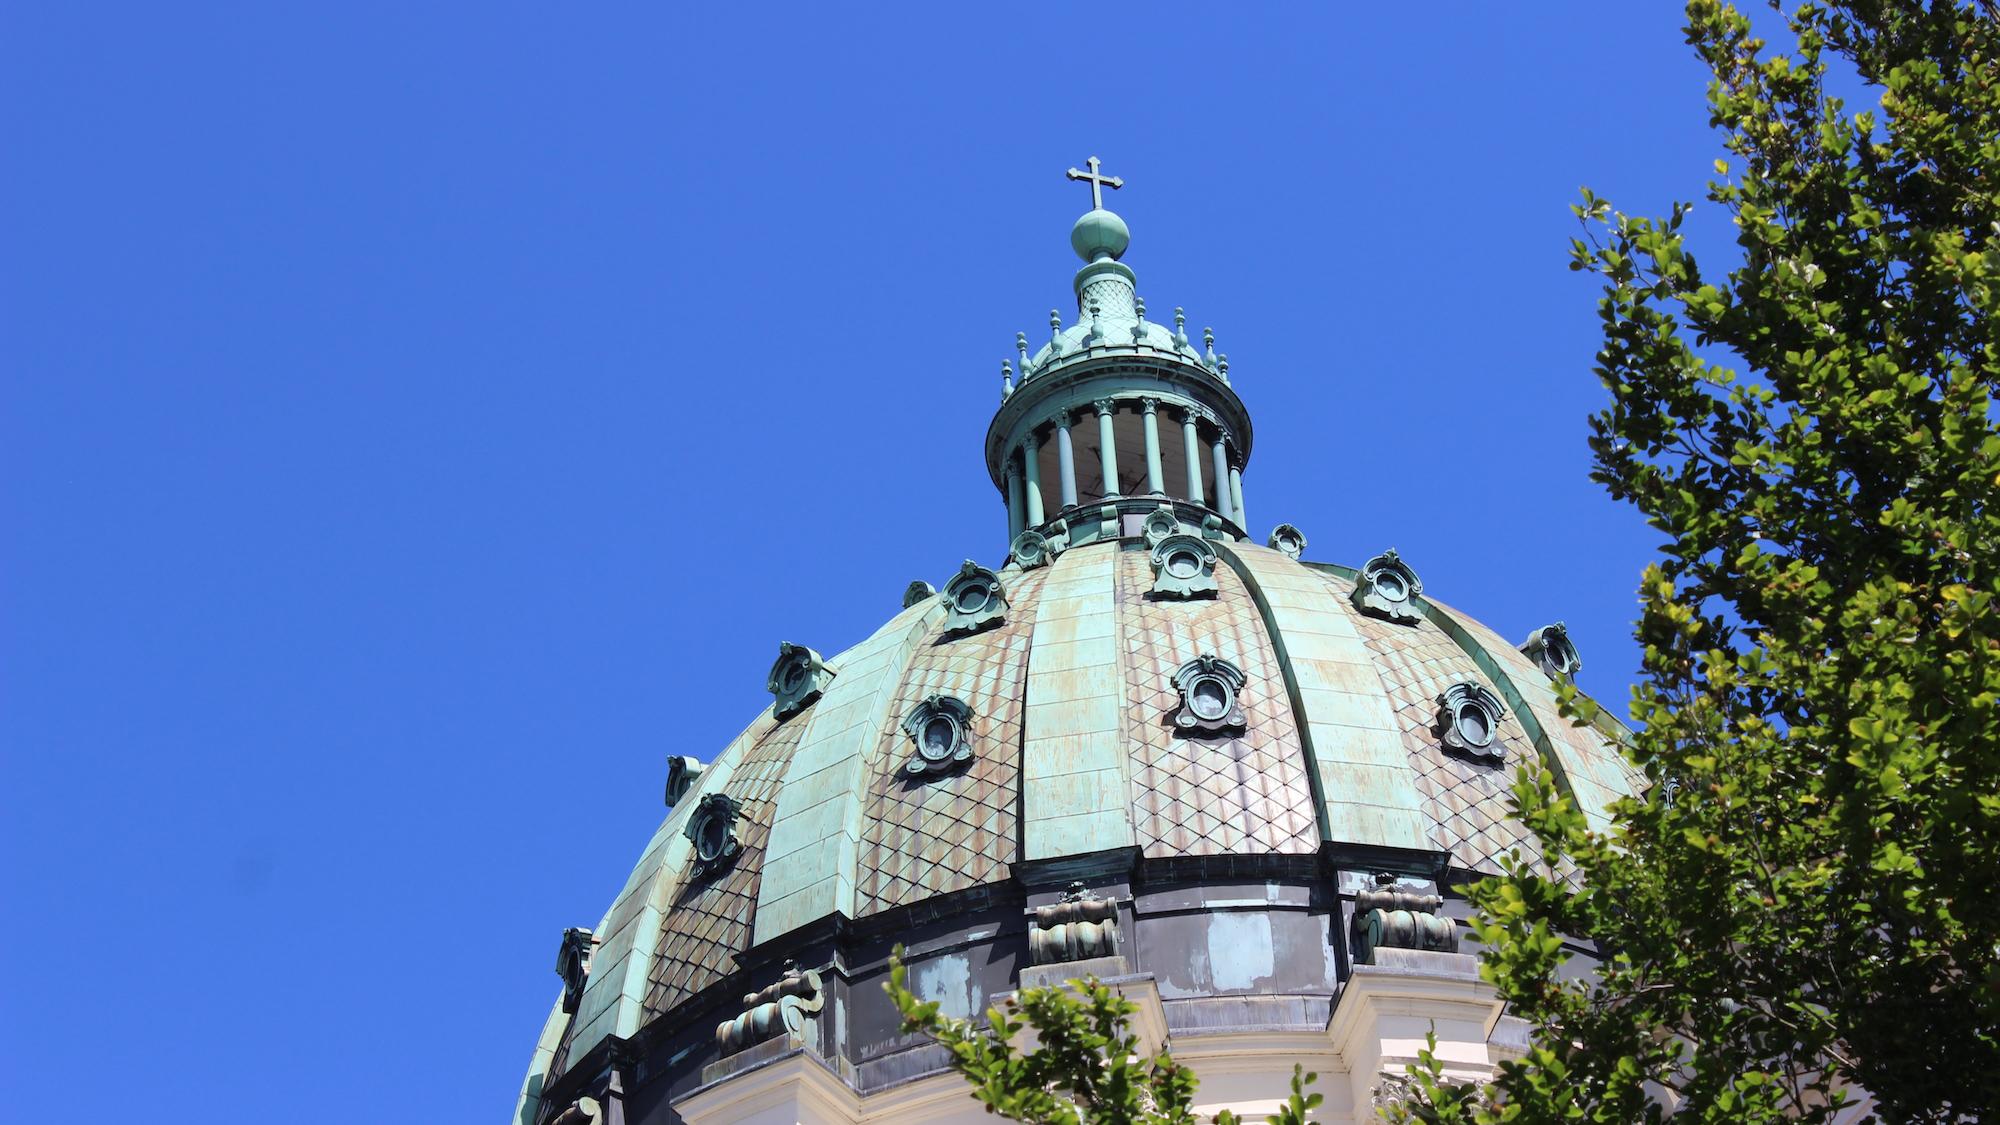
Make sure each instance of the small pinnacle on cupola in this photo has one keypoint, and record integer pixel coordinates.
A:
(1208, 342)
(1222, 368)
(1006, 380)
(1180, 326)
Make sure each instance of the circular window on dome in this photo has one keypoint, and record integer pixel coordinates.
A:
(1387, 588)
(940, 727)
(975, 598)
(1183, 567)
(1468, 720)
(712, 830)
(1209, 688)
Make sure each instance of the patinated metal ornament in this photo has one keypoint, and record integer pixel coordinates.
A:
(975, 598)
(797, 678)
(918, 592)
(682, 773)
(1183, 567)
(1080, 925)
(780, 1008)
(1032, 549)
(1288, 541)
(941, 727)
(712, 829)
(1209, 686)
(1468, 721)
(1550, 648)
(1388, 588)
(1386, 916)
(1159, 524)
(573, 964)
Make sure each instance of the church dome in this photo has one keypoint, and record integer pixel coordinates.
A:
(1142, 742)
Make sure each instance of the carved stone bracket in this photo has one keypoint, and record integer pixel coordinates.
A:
(1079, 927)
(1550, 648)
(1387, 917)
(1387, 588)
(941, 726)
(975, 598)
(573, 964)
(1183, 567)
(797, 678)
(1468, 720)
(1288, 541)
(780, 1008)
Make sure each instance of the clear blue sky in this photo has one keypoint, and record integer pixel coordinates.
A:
(418, 421)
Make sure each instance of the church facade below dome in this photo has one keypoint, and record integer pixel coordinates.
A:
(1236, 784)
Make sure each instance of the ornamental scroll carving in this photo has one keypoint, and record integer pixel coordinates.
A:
(781, 1008)
(1078, 927)
(1389, 917)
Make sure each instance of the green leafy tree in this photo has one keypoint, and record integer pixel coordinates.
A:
(1806, 902)
(1085, 1067)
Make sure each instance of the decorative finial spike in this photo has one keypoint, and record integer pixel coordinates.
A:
(1021, 346)
(1139, 305)
(1222, 367)
(1208, 342)
(1180, 326)
(1006, 380)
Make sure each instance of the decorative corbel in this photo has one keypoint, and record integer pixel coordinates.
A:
(1387, 917)
(779, 1009)
(1079, 926)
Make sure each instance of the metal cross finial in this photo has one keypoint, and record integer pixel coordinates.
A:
(1097, 183)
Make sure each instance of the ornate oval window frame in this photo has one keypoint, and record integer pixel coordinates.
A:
(1552, 651)
(941, 729)
(1210, 697)
(1387, 588)
(712, 831)
(1288, 541)
(1183, 567)
(797, 678)
(975, 598)
(1468, 721)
